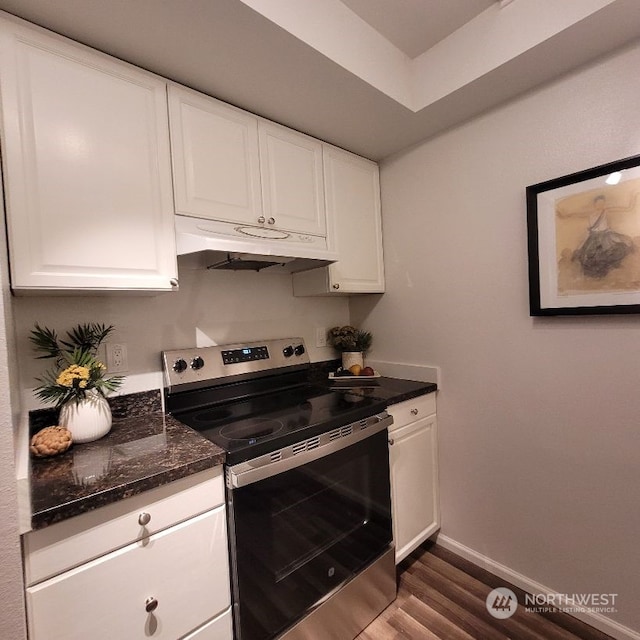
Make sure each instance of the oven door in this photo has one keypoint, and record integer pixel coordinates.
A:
(300, 533)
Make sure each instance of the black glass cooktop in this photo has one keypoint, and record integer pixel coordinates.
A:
(255, 426)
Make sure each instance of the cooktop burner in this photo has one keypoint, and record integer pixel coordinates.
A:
(206, 416)
(251, 429)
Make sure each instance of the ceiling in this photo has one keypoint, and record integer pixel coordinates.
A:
(414, 26)
(371, 76)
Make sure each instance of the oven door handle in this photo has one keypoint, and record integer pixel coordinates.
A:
(287, 458)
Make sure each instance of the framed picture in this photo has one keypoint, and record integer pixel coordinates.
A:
(584, 242)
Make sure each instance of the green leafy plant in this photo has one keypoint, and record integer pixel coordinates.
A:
(349, 338)
(77, 368)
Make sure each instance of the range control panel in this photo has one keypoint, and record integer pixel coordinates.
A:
(246, 354)
(205, 366)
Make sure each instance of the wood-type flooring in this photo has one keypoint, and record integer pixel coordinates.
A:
(442, 596)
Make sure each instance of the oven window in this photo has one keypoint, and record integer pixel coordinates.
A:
(302, 533)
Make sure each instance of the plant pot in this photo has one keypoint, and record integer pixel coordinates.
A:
(349, 358)
(88, 419)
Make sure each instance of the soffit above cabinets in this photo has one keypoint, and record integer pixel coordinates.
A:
(414, 26)
(345, 71)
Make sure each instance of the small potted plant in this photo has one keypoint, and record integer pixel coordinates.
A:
(352, 343)
(77, 384)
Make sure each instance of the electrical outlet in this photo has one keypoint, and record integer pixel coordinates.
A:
(321, 337)
(117, 357)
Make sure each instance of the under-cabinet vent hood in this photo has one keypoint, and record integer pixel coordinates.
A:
(227, 245)
(248, 262)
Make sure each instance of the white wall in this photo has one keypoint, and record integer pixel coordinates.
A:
(12, 615)
(539, 418)
(211, 307)
(12, 618)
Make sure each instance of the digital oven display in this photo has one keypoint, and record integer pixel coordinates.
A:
(248, 354)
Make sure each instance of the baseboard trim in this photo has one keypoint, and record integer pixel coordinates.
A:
(600, 622)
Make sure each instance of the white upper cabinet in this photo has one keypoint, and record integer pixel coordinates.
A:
(292, 180)
(216, 163)
(352, 188)
(231, 166)
(87, 170)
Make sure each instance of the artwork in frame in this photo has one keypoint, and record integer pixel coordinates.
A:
(584, 242)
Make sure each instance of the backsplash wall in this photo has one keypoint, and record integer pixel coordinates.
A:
(211, 307)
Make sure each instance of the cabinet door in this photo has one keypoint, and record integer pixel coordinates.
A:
(87, 167)
(216, 165)
(221, 628)
(184, 568)
(352, 190)
(414, 484)
(292, 180)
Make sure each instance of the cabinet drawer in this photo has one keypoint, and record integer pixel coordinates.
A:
(70, 543)
(184, 568)
(220, 628)
(411, 410)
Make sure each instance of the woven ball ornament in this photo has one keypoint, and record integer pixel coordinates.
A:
(50, 441)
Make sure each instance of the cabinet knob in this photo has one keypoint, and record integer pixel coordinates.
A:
(144, 519)
(261, 219)
(271, 220)
(336, 286)
(414, 412)
(174, 282)
(150, 604)
(391, 441)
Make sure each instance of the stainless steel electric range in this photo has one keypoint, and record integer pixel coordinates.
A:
(307, 478)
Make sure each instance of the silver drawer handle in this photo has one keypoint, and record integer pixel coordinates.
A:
(174, 282)
(336, 286)
(414, 412)
(144, 519)
(261, 219)
(391, 441)
(271, 220)
(150, 604)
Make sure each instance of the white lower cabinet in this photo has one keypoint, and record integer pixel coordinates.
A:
(413, 458)
(169, 585)
(220, 628)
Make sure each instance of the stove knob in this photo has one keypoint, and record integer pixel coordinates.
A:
(179, 365)
(287, 351)
(197, 363)
(299, 350)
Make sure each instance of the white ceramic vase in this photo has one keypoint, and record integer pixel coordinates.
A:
(349, 358)
(88, 419)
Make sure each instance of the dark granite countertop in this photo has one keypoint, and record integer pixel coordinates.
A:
(395, 390)
(143, 450)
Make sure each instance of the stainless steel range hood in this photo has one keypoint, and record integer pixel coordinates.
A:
(226, 245)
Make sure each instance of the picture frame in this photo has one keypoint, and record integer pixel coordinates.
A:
(584, 242)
